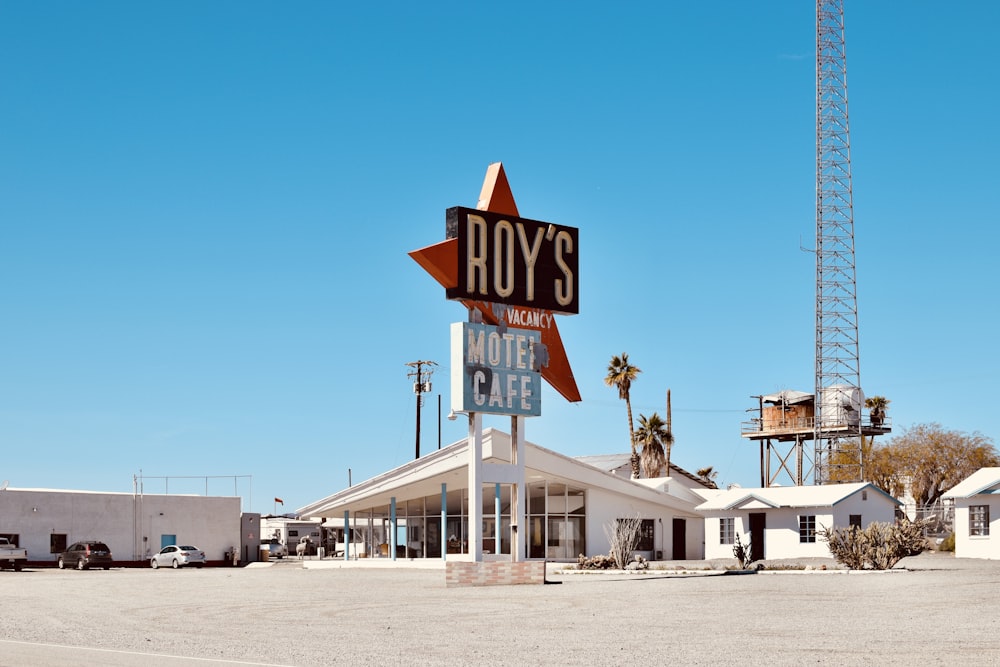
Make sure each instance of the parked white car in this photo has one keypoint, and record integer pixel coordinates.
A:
(12, 556)
(275, 549)
(178, 556)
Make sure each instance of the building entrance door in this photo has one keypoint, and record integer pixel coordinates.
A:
(757, 525)
(680, 539)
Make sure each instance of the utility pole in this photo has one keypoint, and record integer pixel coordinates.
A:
(421, 385)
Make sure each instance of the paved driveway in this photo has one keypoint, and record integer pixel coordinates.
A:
(940, 611)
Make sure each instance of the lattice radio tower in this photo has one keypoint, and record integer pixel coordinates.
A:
(838, 450)
(833, 416)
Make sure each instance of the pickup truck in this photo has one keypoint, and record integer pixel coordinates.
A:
(12, 556)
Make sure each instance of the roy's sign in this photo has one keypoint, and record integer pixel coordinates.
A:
(495, 370)
(515, 261)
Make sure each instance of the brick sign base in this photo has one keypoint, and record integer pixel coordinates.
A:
(494, 573)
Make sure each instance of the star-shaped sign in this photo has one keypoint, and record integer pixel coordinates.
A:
(441, 261)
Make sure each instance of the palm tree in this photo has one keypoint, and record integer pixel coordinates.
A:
(654, 436)
(876, 406)
(621, 374)
(708, 475)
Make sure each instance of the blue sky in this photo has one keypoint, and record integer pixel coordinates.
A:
(205, 210)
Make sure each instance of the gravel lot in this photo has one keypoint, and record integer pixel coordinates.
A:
(938, 610)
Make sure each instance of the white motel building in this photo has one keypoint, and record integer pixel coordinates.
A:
(567, 505)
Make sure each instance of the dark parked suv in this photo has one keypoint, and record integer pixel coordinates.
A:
(83, 555)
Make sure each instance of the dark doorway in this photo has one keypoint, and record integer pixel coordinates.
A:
(757, 523)
(680, 539)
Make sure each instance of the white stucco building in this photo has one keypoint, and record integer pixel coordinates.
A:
(133, 525)
(977, 514)
(784, 521)
(568, 505)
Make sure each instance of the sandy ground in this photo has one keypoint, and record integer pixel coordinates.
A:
(937, 611)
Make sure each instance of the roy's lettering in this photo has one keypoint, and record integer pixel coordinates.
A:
(515, 261)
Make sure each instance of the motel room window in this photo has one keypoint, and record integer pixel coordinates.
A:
(979, 520)
(807, 528)
(645, 536)
(727, 530)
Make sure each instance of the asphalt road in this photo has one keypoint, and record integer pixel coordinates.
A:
(937, 611)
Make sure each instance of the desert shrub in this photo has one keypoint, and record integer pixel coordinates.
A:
(742, 553)
(948, 543)
(623, 536)
(847, 546)
(879, 546)
(910, 538)
(601, 562)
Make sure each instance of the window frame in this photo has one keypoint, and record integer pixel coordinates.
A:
(727, 530)
(979, 520)
(807, 528)
(55, 539)
(646, 536)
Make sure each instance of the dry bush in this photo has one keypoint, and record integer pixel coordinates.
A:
(623, 536)
(595, 562)
(879, 546)
(847, 546)
(742, 553)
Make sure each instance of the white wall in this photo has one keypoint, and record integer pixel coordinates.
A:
(121, 520)
(968, 546)
(605, 507)
(781, 532)
(713, 546)
(876, 507)
(781, 536)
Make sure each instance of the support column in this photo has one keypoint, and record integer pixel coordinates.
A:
(391, 539)
(518, 498)
(347, 535)
(798, 460)
(444, 521)
(475, 513)
(497, 520)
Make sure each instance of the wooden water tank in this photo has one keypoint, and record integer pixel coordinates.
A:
(795, 417)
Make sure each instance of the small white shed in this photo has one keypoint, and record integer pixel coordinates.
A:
(977, 508)
(785, 521)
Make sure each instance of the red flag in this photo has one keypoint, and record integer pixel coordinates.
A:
(279, 500)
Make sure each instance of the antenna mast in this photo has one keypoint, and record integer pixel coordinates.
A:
(838, 378)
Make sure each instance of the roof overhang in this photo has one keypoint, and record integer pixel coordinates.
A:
(425, 476)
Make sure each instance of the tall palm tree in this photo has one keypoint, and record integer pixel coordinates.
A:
(654, 436)
(620, 375)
